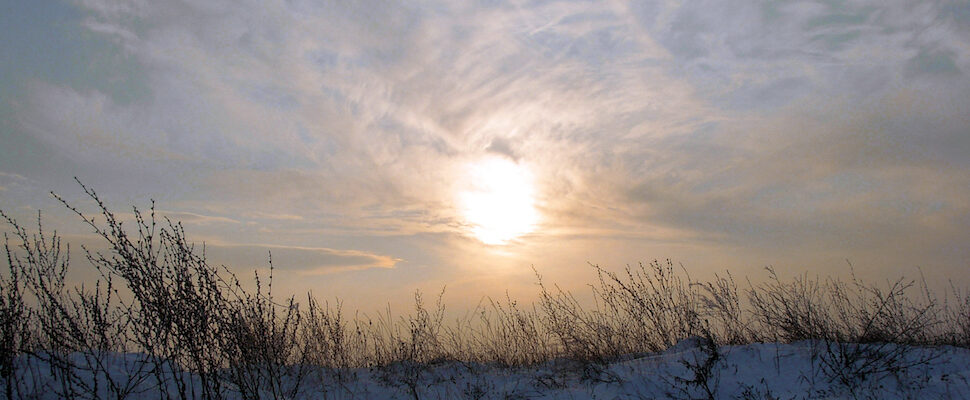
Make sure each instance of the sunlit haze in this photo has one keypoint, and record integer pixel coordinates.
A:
(499, 203)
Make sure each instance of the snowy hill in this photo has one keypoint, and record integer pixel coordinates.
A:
(753, 371)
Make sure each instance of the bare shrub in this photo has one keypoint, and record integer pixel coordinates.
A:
(703, 364)
(650, 305)
(406, 349)
(43, 266)
(265, 358)
(857, 330)
(15, 316)
(789, 311)
(580, 334)
(76, 332)
(505, 334)
(955, 329)
(177, 299)
(724, 312)
(876, 332)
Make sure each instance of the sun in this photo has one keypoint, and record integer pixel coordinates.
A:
(498, 203)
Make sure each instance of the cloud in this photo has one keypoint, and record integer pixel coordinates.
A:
(271, 216)
(699, 121)
(197, 219)
(12, 176)
(302, 260)
(934, 62)
(503, 147)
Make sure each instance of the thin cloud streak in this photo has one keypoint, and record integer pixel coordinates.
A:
(303, 260)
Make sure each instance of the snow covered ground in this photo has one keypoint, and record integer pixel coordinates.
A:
(753, 371)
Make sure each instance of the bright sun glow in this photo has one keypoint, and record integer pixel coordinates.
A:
(499, 202)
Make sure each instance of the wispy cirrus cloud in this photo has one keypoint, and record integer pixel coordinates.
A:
(793, 124)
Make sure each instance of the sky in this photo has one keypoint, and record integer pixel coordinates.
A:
(379, 147)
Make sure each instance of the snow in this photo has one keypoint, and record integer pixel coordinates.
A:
(752, 371)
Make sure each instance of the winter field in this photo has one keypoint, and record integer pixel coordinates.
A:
(752, 371)
(163, 323)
